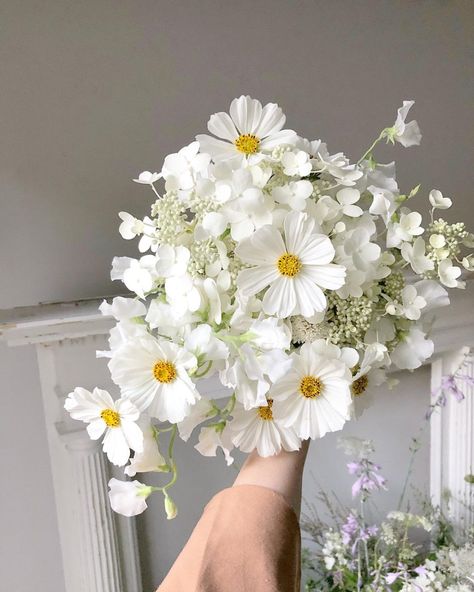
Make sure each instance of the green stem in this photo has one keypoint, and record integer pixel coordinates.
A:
(367, 152)
(410, 466)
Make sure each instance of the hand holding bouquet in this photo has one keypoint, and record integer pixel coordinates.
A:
(292, 276)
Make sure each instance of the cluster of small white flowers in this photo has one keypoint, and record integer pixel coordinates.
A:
(270, 263)
(334, 551)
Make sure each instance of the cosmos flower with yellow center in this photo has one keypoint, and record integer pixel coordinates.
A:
(295, 267)
(247, 133)
(153, 374)
(314, 397)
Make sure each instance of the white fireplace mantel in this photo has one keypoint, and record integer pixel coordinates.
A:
(99, 548)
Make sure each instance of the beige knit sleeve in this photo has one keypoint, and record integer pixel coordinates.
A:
(247, 540)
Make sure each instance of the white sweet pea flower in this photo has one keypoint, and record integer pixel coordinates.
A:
(404, 230)
(449, 273)
(270, 333)
(131, 226)
(435, 295)
(203, 343)
(347, 197)
(123, 309)
(147, 178)
(248, 134)
(407, 134)
(413, 350)
(128, 497)
(214, 437)
(201, 411)
(336, 165)
(150, 458)
(102, 414)
(171, 261)
(415, 255)
(438, 201)
(294, 194)
(296, 163)
(383, 203)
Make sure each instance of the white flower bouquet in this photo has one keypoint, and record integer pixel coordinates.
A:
(292, 276)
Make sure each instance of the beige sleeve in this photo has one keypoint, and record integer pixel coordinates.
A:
(247, 540)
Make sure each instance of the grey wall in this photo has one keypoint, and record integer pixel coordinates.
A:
(95, 91)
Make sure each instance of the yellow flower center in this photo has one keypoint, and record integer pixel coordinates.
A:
(247, 143)
(164, 371)
(266, 411)
(111, 418)
(360, 385)
(289, 265)
(311, 387)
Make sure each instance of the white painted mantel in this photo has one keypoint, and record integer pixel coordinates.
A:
(99, 548)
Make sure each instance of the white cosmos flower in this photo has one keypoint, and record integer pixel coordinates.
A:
(258, 429)
(128, 497)
(116, 418)
(407, 134)
(314, 396)
(438, 201)
(416, 257)
(153, 374)
(150, 458)
(250, 132)
(295, 267)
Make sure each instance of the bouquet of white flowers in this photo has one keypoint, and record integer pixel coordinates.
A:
(291, 275)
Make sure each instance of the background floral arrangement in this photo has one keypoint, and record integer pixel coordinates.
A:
(406, 551)
(279, 268)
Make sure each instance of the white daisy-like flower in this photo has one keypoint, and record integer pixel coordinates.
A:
(116, 418)
(248, 133)
(295, 267)
(257, 428)
(314, 397)
(153, 374)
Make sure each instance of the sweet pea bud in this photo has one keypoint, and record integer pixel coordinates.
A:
(170, 507)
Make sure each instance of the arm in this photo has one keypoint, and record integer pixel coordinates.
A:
(283, 473)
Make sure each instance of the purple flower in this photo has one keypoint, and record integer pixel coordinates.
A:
(368, 477)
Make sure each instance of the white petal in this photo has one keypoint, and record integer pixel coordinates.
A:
(254, 279)
(246, 114)
(116, 447)
(222, 126)
(280, 298)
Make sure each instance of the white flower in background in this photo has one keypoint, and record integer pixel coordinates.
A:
(296, 163)
(314, 396)
(405, 229)
(449, 273)
(347, 197)
(270, 333)
(147, 178)
(248, 133)
(257, 428)
(153, 374)
(413, 350)
(102, 414)
(415, 255)
(131, 226)
(294, 194)
(128, 497)
(180, 169)
(336, 165)
(171, 261)
(435, 295)
(438, 201)
(407, 134)
(150, 458)
(295, 268)
(410, 306)
(213, 437)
